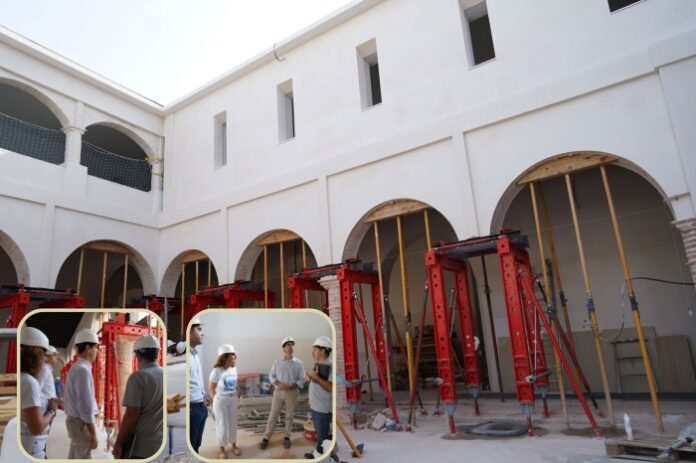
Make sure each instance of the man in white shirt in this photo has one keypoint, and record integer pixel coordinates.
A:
(80, 402)
(48, 384)
(198, 405)
(288, 377)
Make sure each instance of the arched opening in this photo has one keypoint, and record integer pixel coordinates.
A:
(653, 249)
(270, 260)
(188, 273)
(111, 154)
(416, 229)
(98, 270)
(28, 126)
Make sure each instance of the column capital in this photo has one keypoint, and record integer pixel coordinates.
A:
(72, 129)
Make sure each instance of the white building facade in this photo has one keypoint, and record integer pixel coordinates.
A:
(298, 139)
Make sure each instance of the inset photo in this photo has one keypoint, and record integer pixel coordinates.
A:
(261, 384)
(91, 385)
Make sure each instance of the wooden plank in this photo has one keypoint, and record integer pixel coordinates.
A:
(277, 237)
(8, 390)
(565, 165)
(193, 256)
(108, 247)
(8, 377)
(675, 364)
(395, 208)
(646, 447)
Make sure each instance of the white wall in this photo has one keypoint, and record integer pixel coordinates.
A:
(256, 336)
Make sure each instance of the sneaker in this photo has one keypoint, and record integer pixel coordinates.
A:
(263, 444)
(309, 455)
(286, 442)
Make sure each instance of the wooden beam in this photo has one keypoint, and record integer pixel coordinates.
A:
(193, 256)
(278, 237)
(565, 165)
(396, 208)
(108, 246)
(8, 377)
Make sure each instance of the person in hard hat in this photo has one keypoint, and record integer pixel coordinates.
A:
(48, 384)
(37, 411)
(198, 404)
(320, 393)
(287, 375)
(223, 389)
(80, 402)
(140, 433)
(171, 348)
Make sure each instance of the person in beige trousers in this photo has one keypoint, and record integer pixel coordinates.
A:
(287, 376)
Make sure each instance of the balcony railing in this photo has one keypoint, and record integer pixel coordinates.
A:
(134, 173)
(31, 140)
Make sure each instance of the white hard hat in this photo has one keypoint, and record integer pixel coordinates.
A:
(33, 337)
(52, 351)
(170, 343)
(226, 349)
(180, 347)
(86, 335)
(323, 341)
(196, 321)
(286, 340)
(146, 341)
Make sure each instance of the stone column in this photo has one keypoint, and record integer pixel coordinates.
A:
(687, 227)
(157, 180)
(75, 181)
(332, 285)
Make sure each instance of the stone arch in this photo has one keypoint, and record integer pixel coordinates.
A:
(591, 157)
(130, 133)
(171, 275)
(248, 259)
(16, 256)
(41, 97)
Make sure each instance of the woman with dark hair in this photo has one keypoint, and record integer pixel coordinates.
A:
(223, 389)
(37, 412)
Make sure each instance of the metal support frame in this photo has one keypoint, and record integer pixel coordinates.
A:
(17, 299)
(230, 296)
(437, 263)
(348, 274)
(109, 333)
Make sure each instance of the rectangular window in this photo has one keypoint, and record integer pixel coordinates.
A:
(220, 139)
(480, 39)
(368, 72)
(286, 111)
(615, 5)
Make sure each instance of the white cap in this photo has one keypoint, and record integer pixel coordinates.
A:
(86, 335)
(226, 349)
(196, 321)
(170, 343)
(180, 347)
(322, 341)
(33, 337)
(146, 341)
(286, 340)
(52, 351)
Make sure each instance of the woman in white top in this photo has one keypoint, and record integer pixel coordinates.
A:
(223, 389)
(37, 411)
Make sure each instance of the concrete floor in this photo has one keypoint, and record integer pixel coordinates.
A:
(58, 444)
(248, 442)
(429, 442)
(553, 443)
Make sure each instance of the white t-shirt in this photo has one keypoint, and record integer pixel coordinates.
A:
(32, 397)
(226, 381)
(48, 384)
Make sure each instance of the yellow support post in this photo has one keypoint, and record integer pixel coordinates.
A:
(125, 281)
(103, 283)
(547, 293)
(79, 270)
(590, 300)
(634, 302)
(265, 276)
(406, 302)
(385, 322)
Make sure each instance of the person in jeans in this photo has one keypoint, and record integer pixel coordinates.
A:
(198, 405)
(320, 393)
(288, 377)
